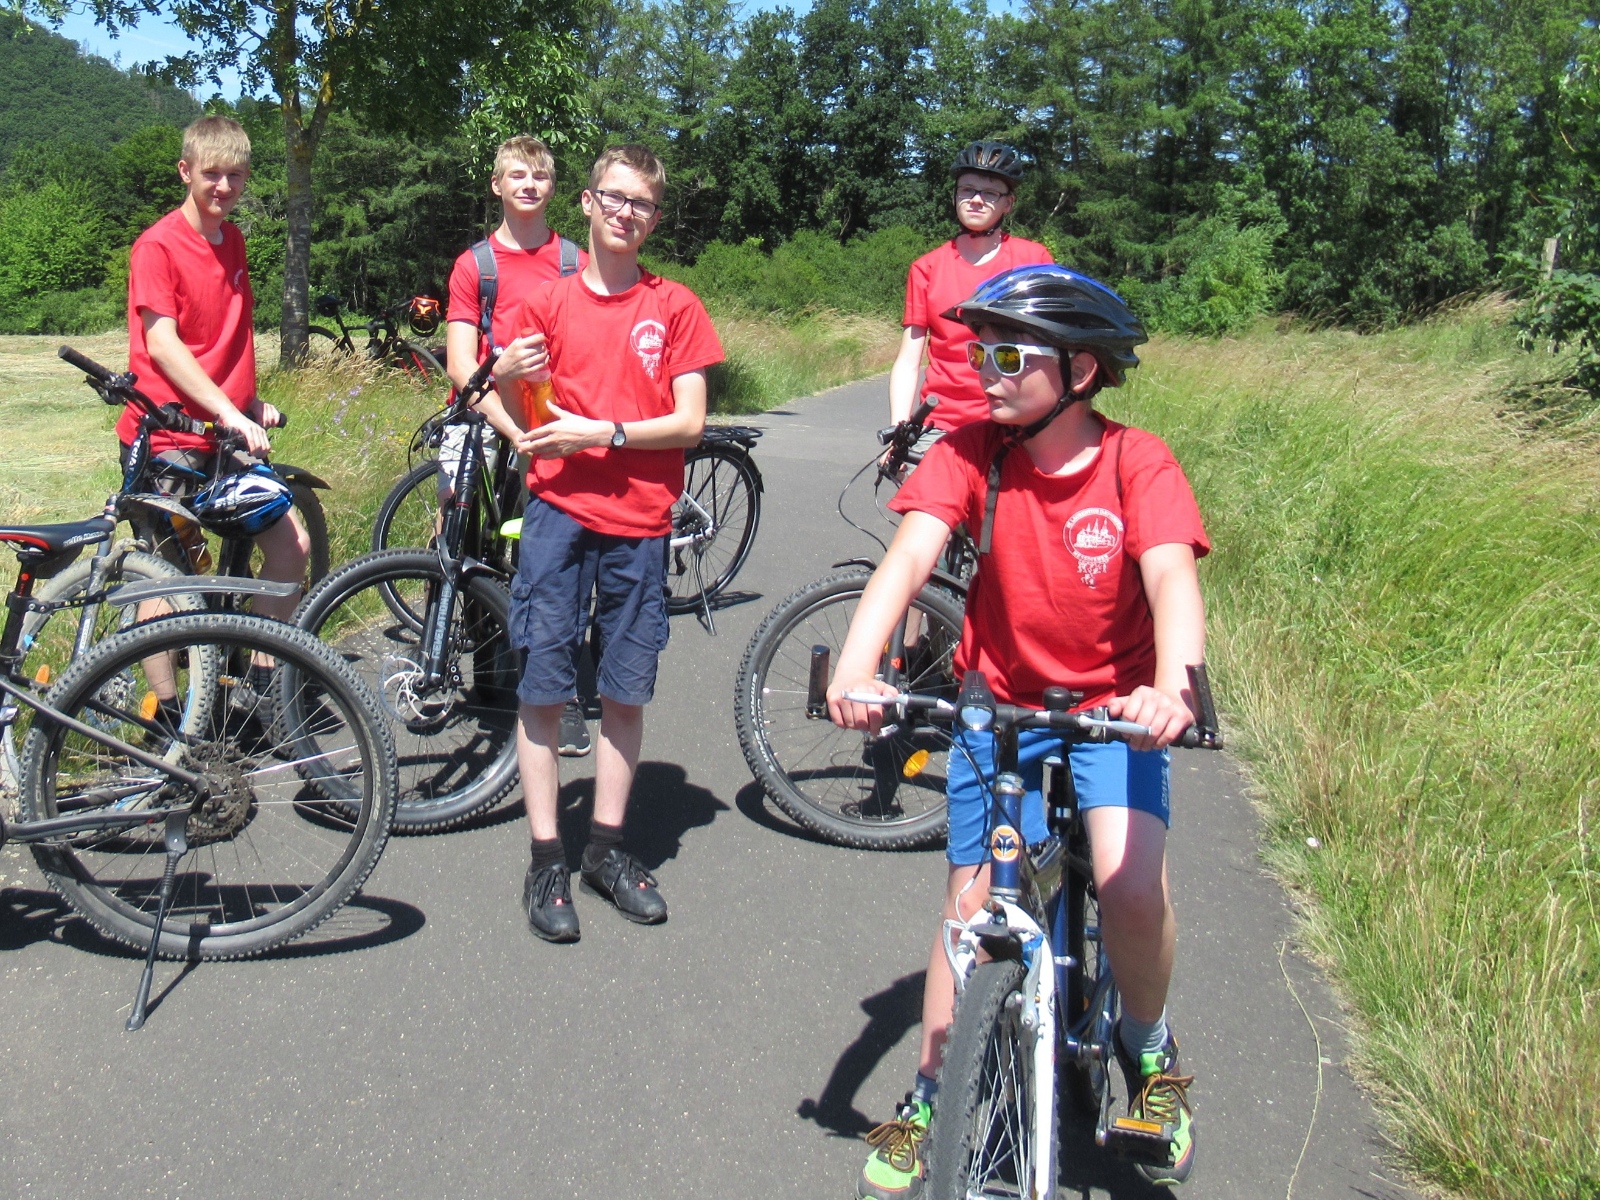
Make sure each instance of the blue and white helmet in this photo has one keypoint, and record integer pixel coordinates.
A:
(244, 504)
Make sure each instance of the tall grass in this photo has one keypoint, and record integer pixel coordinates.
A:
(1405, 616)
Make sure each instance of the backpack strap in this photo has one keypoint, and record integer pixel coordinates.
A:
(992, 498)
(488, 286)
(569, 257)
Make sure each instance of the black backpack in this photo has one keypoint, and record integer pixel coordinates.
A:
(489, 279)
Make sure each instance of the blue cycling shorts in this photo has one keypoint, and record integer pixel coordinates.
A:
(1107, 774)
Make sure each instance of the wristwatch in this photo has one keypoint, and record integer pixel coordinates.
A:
(619, 438)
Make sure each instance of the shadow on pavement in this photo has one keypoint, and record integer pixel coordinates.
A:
(891, 1014)
(664, 806)
(753, 803)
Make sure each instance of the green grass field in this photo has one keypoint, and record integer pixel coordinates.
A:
(1404, 607)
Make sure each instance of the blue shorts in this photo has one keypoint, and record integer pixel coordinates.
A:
(1106, 774)
(562, 565)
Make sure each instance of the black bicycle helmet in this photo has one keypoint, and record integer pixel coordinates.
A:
(243, 504)
(989, 158)
(1061, 308)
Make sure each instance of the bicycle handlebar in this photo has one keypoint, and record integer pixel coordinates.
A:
(86, 364)
(902, 438)
(121, 389)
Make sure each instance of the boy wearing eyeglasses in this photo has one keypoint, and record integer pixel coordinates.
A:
(1088, 536)
(986, 175)
(627, 353)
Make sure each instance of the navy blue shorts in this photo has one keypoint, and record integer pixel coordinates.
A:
(1103, 774)
(562, 565)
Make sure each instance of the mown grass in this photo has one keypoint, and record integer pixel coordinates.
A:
(1405, 619)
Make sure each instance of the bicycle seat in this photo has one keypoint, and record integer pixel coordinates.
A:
(52, 539)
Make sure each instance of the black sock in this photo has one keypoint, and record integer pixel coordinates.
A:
(601, 839)
(547, 854)
(169, 713)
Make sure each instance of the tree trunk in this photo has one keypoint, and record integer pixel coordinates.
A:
(299, 147)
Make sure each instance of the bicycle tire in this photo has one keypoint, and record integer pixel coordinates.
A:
(457, 743)
(309, 505)
(824, 777)
(417, 360)
(720, 484)
(979, 1142)
(408, 515)
(276, 856)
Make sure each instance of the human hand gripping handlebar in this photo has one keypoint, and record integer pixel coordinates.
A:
(902, 439)
(115, 389)
(976, 709)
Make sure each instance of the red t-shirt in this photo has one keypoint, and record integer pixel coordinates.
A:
(613, 358)
(519, 272)
(1059, 600)
(174, 272)
(939, 280)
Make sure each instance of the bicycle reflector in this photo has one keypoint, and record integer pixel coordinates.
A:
(424, 314)
(915, 765)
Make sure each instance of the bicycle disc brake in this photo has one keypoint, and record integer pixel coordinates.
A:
(405, 694)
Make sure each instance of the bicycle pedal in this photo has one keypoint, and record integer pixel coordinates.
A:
(1142, 1141)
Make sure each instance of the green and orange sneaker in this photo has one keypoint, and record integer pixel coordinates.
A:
(895, 1169)
(1159, 1095)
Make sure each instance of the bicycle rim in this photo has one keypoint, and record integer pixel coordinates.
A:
(713, 525)
(455, 738)
(270, 854)
(873, 793)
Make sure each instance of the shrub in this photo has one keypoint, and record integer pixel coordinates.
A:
(51, 239)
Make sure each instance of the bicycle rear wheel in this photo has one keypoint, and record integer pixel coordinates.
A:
(457, 738)
(880, 793)
(300, 783)
(982, 1142)
(713, 524)
(1088, 997)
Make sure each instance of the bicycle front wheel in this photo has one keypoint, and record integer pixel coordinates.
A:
(456, 736)
(883, 793)
(713, 524)
(982, 1141)
(299, 785)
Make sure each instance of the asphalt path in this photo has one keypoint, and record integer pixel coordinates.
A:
(425, 1045)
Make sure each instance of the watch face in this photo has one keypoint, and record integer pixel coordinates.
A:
(619, 438)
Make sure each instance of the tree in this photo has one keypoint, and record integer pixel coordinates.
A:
(402, 63)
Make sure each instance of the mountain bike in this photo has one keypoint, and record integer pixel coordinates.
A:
(218, 823)
(713, 523)
(385, 343)
(1036, 1006)
(882, 792)
(427, 630)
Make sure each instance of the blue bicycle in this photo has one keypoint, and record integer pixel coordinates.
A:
(1036, 1004)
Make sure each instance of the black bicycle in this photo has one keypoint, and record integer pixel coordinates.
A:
(427, 630)
(1036, 1006)
(175, 804)
(714, 521)
(385, 343)
(882, 792)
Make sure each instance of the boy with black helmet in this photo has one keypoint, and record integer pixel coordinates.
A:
(1086, 579)
(985, 175)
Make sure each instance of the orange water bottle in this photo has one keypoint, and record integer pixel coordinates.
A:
(537, 394)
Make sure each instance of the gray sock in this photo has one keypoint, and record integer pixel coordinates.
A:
(924, 1089)
(1143, 1037)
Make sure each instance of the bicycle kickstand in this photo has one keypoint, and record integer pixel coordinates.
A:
(177, 846)
(705, 600)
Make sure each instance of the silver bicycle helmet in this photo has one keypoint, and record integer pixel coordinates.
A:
(243, 504)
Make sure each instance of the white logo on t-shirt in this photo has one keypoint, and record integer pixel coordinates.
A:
(648, 339)
(1094, 535)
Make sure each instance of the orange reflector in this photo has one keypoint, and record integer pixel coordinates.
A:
(914, 764)
(148, 706)
(42, 675)
(1133, 1126)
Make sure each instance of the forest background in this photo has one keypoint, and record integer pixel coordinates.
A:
(1356, 163)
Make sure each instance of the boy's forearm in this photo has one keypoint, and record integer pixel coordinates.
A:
(461, 352)
(500, 419)
(1172, 585)
(183, 371)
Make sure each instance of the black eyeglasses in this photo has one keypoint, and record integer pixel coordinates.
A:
(612, 204)
(988, 195)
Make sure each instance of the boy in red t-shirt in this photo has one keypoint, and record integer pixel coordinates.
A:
(527, 254)
(986, 175)
(190, 338)
(1090, 583)
(627, 353)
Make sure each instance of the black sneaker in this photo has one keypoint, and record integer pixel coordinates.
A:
(574, 740)
(547, 899)
(622, 879)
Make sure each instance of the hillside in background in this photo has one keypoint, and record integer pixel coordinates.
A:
(53, 90)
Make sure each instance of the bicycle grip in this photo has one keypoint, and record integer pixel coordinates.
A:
(86, 364)
(924, 410)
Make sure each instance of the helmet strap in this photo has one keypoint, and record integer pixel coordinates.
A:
(1029, 432)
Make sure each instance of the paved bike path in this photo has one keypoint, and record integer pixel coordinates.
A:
(423, 1044)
